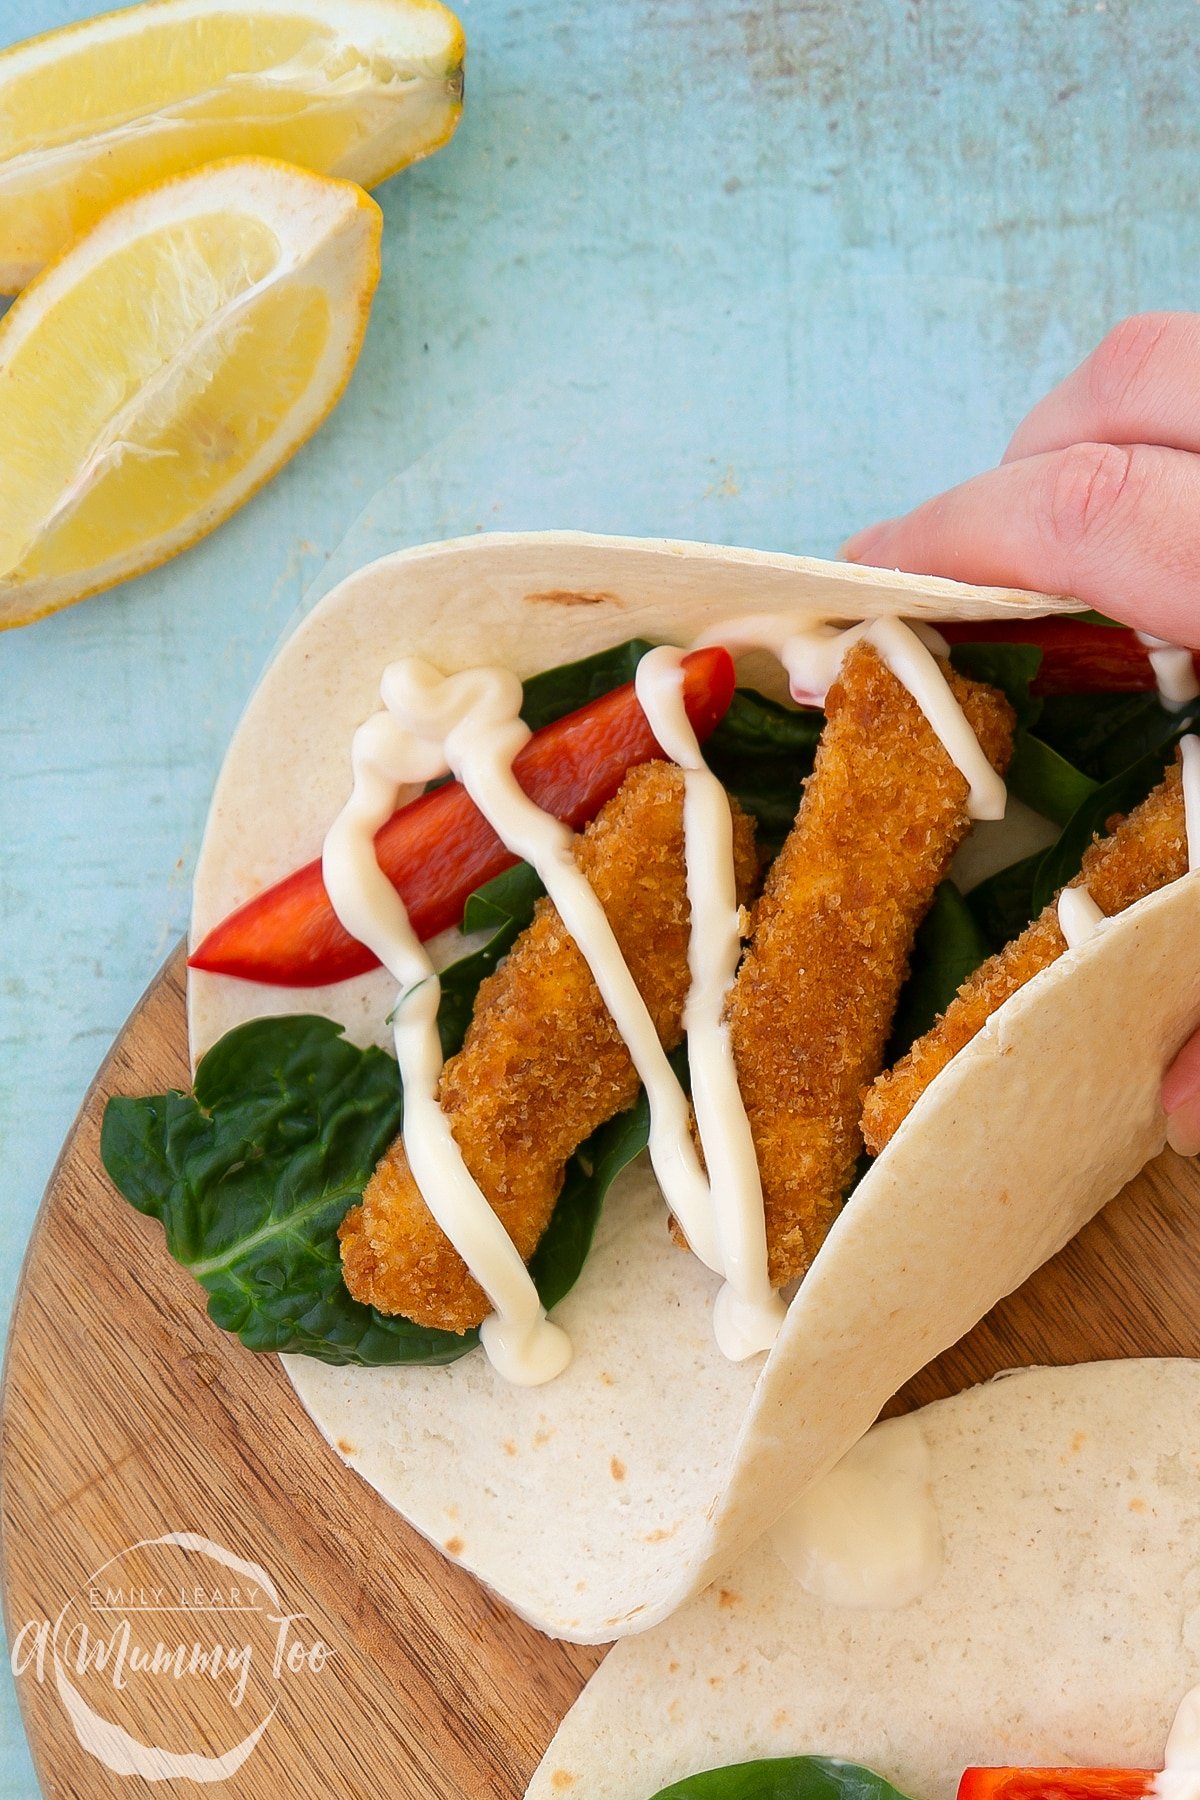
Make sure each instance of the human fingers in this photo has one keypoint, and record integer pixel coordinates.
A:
(1181, 1099)
(1140, 385)
(1117, 526)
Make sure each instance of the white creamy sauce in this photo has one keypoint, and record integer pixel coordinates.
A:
(1174, 671)
(1078, 915)
(468, 725)
(1175, 678)
(867, 1534)
(540, 839)
(748, 1312)
(432, 726)
(1180, 1776)
(813, 655)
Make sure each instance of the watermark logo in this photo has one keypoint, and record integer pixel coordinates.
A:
(174, 1642)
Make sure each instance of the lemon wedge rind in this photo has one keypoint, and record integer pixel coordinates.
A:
(222, 315)
(97, 111)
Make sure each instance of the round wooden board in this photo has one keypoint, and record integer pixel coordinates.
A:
(126, 1415)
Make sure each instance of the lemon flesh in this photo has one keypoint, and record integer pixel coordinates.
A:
(92, 114)
(160, 372)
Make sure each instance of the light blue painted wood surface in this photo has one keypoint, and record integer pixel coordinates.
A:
(751, 270)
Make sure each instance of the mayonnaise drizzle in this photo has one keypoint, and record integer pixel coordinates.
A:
(748, 1313)
(1078, 915)
(1174, 671)
(868, 1533)
(813, 655)
(1175, 678)
(539, 838)
(1180, 1776)
(468, 725)
(433, 725)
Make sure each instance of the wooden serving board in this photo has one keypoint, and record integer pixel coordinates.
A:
(127, 1414)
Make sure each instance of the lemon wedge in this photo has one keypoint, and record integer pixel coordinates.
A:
(163, 368)
(98, 111)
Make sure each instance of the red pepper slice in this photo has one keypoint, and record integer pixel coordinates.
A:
(1078, 657)
(439, 848)
(1055, 1784)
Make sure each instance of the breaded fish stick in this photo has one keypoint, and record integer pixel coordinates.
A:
(1147, 850)
(883, 813)
(543, 1064)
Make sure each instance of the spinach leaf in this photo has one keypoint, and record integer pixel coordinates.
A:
(507, 897)
(762, 752)
(252, 1173)
(557, 692)
(1041, 776)
(949, 946)
(1093, 755)
(1003, 904)
(503, 906)
(784, 1778)
(1102, 734)
(1045, 780)
(1089, 617)
(1062, 860)
(1009, 667)
(558, 1259)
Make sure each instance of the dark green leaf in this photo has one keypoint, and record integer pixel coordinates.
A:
(556, 1263)
(557, 692)
(784, 1778)
(1003, 904)
(762, 751)
(1009, 667)
(1045, 780)
(1062, 860)
(1102, 734)
(252, 1174)
(949, 946)
(502, 907)
(1042, 777)
(1088, 617)
(506, 897)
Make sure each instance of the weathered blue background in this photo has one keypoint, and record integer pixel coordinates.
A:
(752, 270)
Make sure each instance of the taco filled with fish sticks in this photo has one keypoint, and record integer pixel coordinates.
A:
(646, 1000)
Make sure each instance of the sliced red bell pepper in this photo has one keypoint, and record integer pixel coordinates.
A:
(1055, 1784)
(439, 848)
(1078, 656)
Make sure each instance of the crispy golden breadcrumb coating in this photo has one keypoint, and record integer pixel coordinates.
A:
(543, 1064)
(1145, 851)
(883, 813)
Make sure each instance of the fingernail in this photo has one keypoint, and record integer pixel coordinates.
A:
(863, 544)
(1183, 1128)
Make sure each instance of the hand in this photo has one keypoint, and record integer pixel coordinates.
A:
(1098, 495)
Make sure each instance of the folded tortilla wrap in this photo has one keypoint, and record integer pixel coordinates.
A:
(1064, 1627)
(596, 1505)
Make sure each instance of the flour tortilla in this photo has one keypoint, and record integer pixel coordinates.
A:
(596, 1505)
(1064, 1627)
